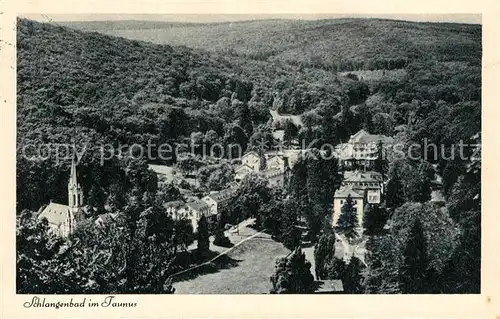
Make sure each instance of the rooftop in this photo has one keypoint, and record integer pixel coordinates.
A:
(330, 286)
(197, 204)
(223, 194)
(345, 191)
(358, 176)
(364, 137)
(56, 214)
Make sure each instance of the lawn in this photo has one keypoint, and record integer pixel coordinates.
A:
(252, 264)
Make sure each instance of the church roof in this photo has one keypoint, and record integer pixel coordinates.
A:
(55, 214)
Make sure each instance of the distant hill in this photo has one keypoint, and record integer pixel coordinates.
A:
(339, 44)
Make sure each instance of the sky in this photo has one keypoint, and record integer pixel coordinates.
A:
(207, 18)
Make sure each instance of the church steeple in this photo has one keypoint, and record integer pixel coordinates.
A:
(75, 192)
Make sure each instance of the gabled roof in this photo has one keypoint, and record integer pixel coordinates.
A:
(250, 153)
(362, 177)
(56, 214)
(197, 205)
(361, 133)
(364, 137)
(243, 167)
(347, 190)
(222, 195)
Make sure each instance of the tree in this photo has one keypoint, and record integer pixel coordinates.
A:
(414, 269)
(253, 192)
(291, 131)
(236, 140)
(380, 164)
(216, 177)
(203, 236)
(35, 249)
(188, 163)
(243, 116)
(395, 192)
(263, 161)
(183, 234)
(290, 234)
(418, 182)
(348, 219)
(324, 255)
(168, 192)
(352, 280)
(220, 238)
(374, 219)
(292, 274)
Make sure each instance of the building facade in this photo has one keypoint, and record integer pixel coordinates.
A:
(339, 199)
(361, 149)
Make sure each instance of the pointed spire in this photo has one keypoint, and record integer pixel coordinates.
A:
(72, 176)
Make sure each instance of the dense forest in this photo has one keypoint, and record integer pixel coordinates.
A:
(412, 81)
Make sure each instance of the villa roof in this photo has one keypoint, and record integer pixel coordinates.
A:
(222, 195)
(364, 137)
(347, 190)
(197, 205)
(358, 176)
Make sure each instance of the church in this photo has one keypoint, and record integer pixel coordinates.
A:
(64, 218)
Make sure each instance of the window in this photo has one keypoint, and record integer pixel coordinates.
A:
(74, 200)
(341, 201)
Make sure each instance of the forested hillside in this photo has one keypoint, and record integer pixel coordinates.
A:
(340, 44)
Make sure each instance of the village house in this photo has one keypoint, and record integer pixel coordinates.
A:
(369, 183)
(198, 208)
(191, 210)
(252, 160)
(63, 219)
(274, 170)
(242, 171)
(361, 149)
(176, 209)
(274, 161)
(219, 202)
(341, 196)
(276, 177)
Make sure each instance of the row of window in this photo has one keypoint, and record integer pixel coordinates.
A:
(363, 184)
(355, 201)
